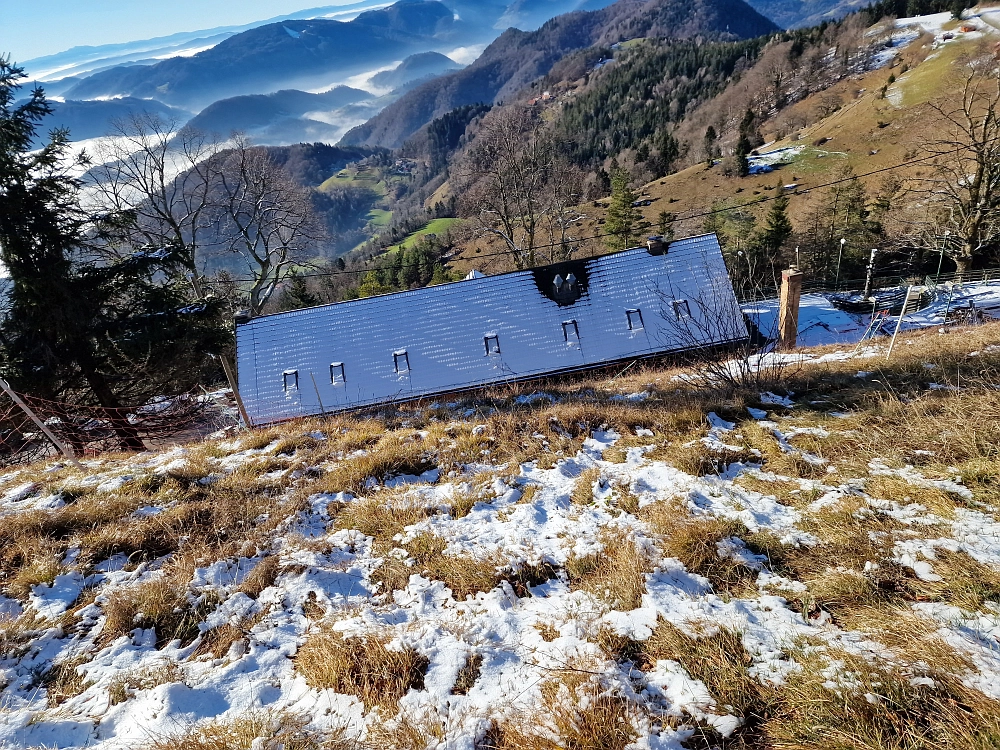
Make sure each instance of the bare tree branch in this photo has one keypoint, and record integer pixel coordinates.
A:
(962, 195)
(265, 218)
(164, 178)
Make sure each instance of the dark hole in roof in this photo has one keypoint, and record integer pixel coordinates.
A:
(563, 283)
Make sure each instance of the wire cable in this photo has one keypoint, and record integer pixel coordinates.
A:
(602, 235)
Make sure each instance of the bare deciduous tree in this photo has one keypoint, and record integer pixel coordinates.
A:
(265, 218)
(505, 181)
(165, 178)
(963, 193)
(713, 319)
(561, 216)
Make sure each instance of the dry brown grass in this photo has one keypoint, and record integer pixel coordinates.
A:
(967, 583)
(899, 490)
(382, 518)
(393, 454)
(786, 492)
(276, 730)
(689, 454)
(256, 440)
(261, 577)
(545, 432)
(222, 519)
(720, 660)
(218, 640)
(405, 732)
(163, 603)
(63, 680)
(465, 575)
(468, 675)
(362, 666)
(466, 496)
(42, 569)
(879, 707)
(852, 532)
(575, 712)
(583, 488)
(617, 574)
(124, 685)
(694, 541)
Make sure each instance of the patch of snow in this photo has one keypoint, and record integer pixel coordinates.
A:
(534, 398)
(50, 601)
(775, 400)
(639, 396)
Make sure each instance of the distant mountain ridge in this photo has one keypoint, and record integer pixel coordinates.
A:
(302, 53)
(83, 60)
(94, 119)
(278, 116)
(253, 111)
(528, 15)
(792, 14)
(516, 58)
(414, 67)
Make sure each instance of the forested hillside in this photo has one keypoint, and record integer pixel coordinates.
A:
(636, 104)
(518, 58)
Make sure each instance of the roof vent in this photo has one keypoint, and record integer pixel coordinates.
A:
(565, 291)
(563, 283)
(655, 245)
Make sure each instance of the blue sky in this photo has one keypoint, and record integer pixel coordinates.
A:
(32, 28)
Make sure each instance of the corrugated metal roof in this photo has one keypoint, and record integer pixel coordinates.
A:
(475, 332)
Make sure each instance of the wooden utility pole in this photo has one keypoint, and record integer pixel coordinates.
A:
(226, 367)
(231, 377)
(788, 310)
(59, 444)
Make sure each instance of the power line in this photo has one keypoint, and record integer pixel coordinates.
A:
(602, 235)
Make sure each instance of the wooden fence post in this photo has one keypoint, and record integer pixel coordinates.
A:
(788, 310)
(231, 377)
(60, 446)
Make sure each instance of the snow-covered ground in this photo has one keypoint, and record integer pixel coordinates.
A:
(333, 569)
(766, 161)
(821, 323)
(591, 501)
(934, 23)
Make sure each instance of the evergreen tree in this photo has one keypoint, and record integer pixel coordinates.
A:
(710, 147)
(668, 151)
(777, 229)
(665, 225)
(83, 324)
(745, 143)
(296, 294)
(623, 218)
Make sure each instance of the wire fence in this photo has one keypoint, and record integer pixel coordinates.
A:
(847, 286)
(87, 430)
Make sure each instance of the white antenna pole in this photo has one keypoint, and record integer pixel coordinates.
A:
(906, 304)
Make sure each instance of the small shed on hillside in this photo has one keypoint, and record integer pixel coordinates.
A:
(486, 330)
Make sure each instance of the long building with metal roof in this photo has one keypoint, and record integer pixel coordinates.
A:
(486, 330)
